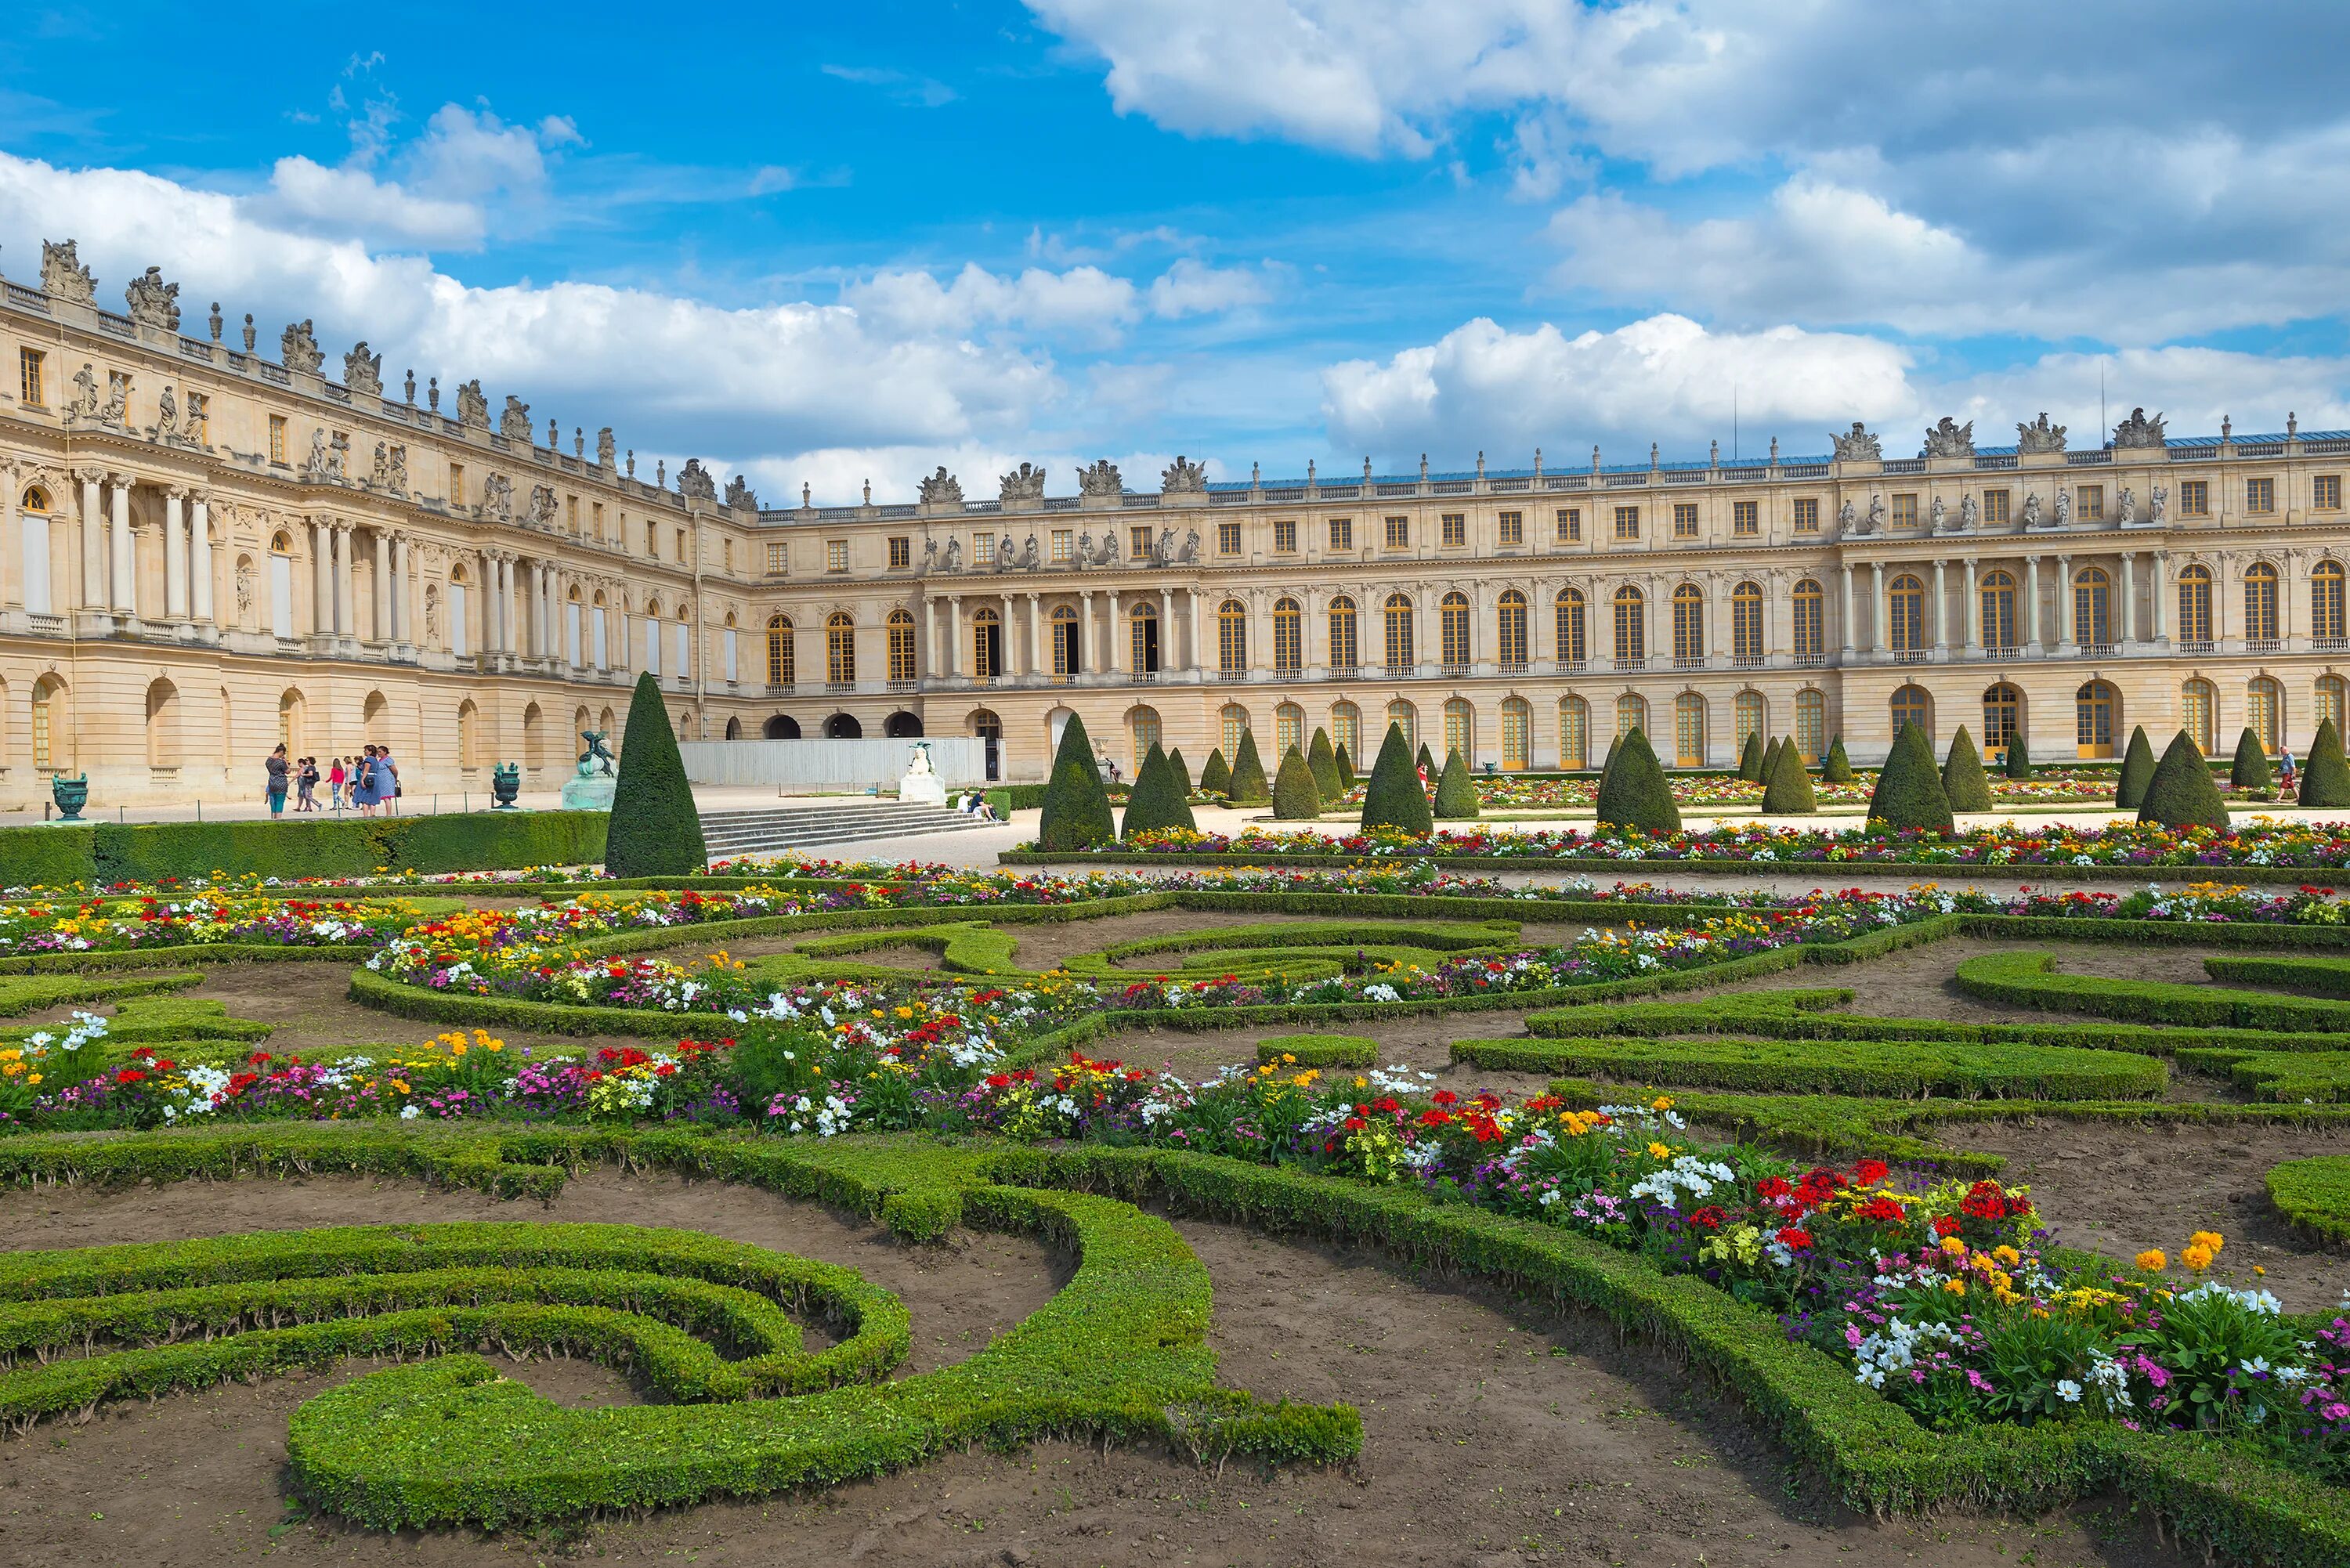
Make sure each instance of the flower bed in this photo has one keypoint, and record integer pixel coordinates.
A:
(200, 920)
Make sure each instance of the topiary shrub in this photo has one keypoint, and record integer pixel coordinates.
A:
(1394, 798)
(1455, 791)
(1836, 768)
(1249, 787)
(2325, 780)
(1788, 790)
(1295, 796)
(1908, 791)
(2138, 772)
(2250, 770)
(2181, 793)
(1216, 777)
(1324, 763)
(1750, 758)
(1158, 802)
(655, 831)
(1346, 767)
(1077, 807)
(1964, 784)
(2019, 758)
(1181, 769)
(1633, 791)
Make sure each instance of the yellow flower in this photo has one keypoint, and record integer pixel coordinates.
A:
(1658, 1151)
(1954, 1246)
(2007, 1255)
(2210, 1239)
(1955, 1287)
(1662, 1103)
(2196, 1257)
(2152, 1261)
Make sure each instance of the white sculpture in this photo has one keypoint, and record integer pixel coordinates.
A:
(921, 780)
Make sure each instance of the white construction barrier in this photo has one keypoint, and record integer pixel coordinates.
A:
(818, 767)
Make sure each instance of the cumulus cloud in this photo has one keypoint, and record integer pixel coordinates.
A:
(1195, 289)
(309, 196)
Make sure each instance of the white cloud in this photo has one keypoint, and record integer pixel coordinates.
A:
(1083, 299)
(1195, 289)
(923, 92)
(351, 201)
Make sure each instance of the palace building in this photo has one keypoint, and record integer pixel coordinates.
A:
(209, 543)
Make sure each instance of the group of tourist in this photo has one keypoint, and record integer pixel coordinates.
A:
(368, 781)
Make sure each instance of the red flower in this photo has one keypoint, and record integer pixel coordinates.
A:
(1709, 1218)
(1883, 1209)
(1869, 1172)
(1772, 1186)
(1445, 1097)
(1794, 1239)
(1355, 1124)
(1948, 1225)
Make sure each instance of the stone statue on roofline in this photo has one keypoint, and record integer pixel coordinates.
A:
(1855, 446)
(2040, 436)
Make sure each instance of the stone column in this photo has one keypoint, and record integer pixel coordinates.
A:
(1941, 610)
(1089, 635)
(2064, 629)
(1844, 609)
(200, 560)
(1876, 607)
(175, 554)
(322, 577)
(1166, 627)
(2158, 597)
(528, 624)
(1198, 663)
(1007, 643)
(93, 542)
(382, 627)
(1039, 663)
(1970, 612)
(2125, 620)
(489, 643)
(125, 597)
(345, 618)
(2032, 606)
(952, 665)
(1118, 636)
(400, 589)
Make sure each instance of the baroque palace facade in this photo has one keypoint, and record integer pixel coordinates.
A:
(205, 550)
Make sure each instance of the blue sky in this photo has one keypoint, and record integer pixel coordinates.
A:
(826, 245)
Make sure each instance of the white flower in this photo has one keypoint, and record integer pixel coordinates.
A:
(2068, 1391)
(409, 1113)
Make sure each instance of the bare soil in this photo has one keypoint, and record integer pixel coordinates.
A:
(1496, 1435)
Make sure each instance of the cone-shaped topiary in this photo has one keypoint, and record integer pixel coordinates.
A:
(1608, 758)
(1633, 791)
(2018, 759)
(1394, 798)
(2250, 768)
(1346, 767)
(1909, 788)
(1835, 767)
(1249, 785)
(1964, 784)
(1770, 760)
(1181, 769)
(2325, 781)
(1295, 796)
(655, 830)
(1788, 790)
(1324, 763)
(1455, 791)
(2181, 793)
(2138, 772)
(1425, 764)
(1216, 775)
(1156, 802)
(1750, 758)
(1077, 807)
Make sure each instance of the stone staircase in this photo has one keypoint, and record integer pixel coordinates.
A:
(771, 829)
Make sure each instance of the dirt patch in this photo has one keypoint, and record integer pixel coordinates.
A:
(309, 1008)
(1496, 1436)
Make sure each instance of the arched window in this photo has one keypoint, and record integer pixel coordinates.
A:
(1689, 730)
(2195, 606)
(1746, 718)
(2259, 602)
(986, 644)
(783, 664)
(2199, 713)
(1572, 625)
(1288, 731)
(162, 725)
(1345, 650)
(1288, 636)
(534, 738)
(1631, 628)
(1461, 729)
(1909, 706)
(469, 733)
(1232, 638)
(1811, 724)
(1997, 592)
(1905, 604)
(1398, 612)
(1142, 637)
(901, 645)
(1746, 625)
(1405, 717)
(2094, 708)
(1574, 732)
(1689, 626)
(35, 498)
(2325, 608)
(1811, 620)
(1232, 724)
(1142, 732)
(2002, 714)
(1510, 630)
(1631, 713)
(1346, 730)
(48, 723)
(840, 647)
(1517, 734)
(2265, 712)
(2091, 605)
(1068, 655)
(1452, 624)
(2330, 691)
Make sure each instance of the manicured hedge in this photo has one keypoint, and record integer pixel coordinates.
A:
(655, 828)
(109, 852)
(1663, 866)
(2313, 1194)
(2315, 1076)
(2029, 980)
(2323, 976)
(1905, 1069)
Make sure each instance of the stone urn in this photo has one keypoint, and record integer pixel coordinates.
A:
(505, 783)
(71, 795)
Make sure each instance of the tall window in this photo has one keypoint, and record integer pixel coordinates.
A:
(1745, 718)
(1905, 509)
(1346, 728)
(29, 377)
(1631, 625)
(1569, 525)
(1746, 623)
(1461, 729)
(2089, 504)
(1689, 624)
(1811, 724)
(1571, 621)
(836, 554)
(1631, 713)
(2325, 492)
(1233, 724)
(779, 560)
(1998, 595)
(2093, 720)
(1684, 519)
(1745, 519)
(1142, 639)
(1398, 627)
(1403, 716)
(2002, 711)
(2195, 606)
(1453, 623)
(45, 726)
(1142, 729)
(2264, 712)
(1510, 629)
(1574, 732)
(1344, 652)
(1288, 729)
(1399, 533)
(2330, 691)
(1811, 620)
(1456, 529)
(1137, 540)
(1288, 636)
(1228, 538)
(1995, 506)
(1689, 730)
(1909, 707)
(2325, 600)
(2194, 498)
(2199, 711)
(1511, 526)
(1517, 734)
(2259, 495)
(2259, 602)
(1807, 515)
(1232, 638)
(1067, 653)
(1342, 533)
(901, 645)
(840, 647)
(1627, 523)
(986, 644)
(901, 552)
(1284, 536)
(1905, 603)
(782, 666)
(2092, 601)
(277, 456)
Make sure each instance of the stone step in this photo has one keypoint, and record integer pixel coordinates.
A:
(728, 834)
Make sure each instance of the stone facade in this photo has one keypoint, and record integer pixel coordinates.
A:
(202, 551)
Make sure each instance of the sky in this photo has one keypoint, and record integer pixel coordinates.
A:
(829, 246)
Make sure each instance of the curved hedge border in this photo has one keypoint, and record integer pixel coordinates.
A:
(1903, 1069)
(1659, 865)
(2318, 976)
(2313, 1195)
(2030, 979)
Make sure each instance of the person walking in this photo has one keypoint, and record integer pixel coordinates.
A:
(306, 784)
(276, 769)
(387, 781)
(364, 782)
(337, 776)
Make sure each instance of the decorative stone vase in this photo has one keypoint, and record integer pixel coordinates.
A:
(505, 783)
(71, 795)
